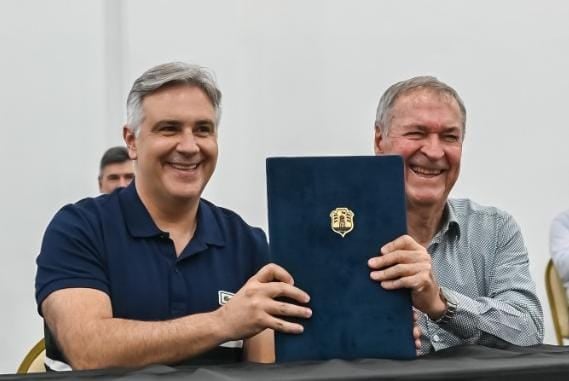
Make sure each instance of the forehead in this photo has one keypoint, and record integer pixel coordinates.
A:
(177, 100)
(427, 104)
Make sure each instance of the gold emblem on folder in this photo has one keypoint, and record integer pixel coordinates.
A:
(342, 221)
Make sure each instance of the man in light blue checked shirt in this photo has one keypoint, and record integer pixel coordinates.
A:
(466, 265)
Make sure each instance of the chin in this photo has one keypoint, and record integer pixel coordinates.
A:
(185, 194)
(425, 200)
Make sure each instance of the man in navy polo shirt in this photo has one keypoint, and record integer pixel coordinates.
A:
(152, 273)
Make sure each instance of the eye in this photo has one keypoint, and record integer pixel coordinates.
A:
(451, 138)
(204, 130)
(168, 129)
(414, 134)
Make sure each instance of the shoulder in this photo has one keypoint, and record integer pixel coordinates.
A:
(232, 223)
(561, 220)
(483, 221)
(245, 242)
(465, 208)
(84, 221)
(89, 211)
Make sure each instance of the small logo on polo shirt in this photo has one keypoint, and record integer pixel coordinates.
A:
(224, 296)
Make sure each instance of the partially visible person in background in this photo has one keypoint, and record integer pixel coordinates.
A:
(559, 245)
(116, 169)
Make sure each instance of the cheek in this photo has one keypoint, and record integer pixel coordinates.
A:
(454, 156)
(211, 149)
(405, 149)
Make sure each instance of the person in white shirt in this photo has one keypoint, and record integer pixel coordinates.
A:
(559, 245)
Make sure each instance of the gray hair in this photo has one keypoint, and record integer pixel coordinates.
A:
(171, 73)
(385, 106)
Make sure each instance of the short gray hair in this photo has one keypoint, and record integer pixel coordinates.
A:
(387, 100)
(171, 73)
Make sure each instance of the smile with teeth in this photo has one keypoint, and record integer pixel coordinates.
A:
(426, 171)
(184, 166)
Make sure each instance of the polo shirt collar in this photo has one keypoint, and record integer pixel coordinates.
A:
(140, 224)
(208, 230)
(137, 219)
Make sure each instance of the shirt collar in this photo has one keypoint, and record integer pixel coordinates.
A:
(137, 219)
(449, 225)
(140, 224)
(209, 229)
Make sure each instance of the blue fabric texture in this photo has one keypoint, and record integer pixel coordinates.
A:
(353, 316)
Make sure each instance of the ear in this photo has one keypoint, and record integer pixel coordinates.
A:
(130, 141)
(378, 140)
(100, 184)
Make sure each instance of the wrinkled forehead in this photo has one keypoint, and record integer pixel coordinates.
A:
(418, 96)
(425, 104)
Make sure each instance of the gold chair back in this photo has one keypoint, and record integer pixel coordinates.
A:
(34, 360)
(557, 296)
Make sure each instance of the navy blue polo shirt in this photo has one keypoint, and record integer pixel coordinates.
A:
(111, 243)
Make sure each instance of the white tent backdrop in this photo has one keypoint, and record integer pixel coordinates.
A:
(299, 78)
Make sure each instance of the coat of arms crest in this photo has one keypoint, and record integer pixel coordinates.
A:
(342, 221)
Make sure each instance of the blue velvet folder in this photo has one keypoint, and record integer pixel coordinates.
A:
(327, 217)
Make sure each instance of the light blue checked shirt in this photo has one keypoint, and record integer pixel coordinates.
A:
(479, 257)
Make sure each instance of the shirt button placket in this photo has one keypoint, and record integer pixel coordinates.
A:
(178, 292)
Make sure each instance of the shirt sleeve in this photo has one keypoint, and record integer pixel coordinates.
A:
(69, 255)
(510, 311)
(559, 245)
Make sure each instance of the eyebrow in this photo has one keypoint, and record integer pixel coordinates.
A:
(167, 121)
(445, 129)
(452, 129)
(177, 122)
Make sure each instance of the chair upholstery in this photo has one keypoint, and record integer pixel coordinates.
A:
(557, 296)
(34, 360)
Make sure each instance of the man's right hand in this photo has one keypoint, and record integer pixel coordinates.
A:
(254, 308)
(404, 263)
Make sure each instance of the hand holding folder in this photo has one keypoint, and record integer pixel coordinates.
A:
(254, 307)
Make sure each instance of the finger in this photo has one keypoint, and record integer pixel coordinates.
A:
(279, 289)
(405, 242)
(273, 272)
(285, 326)
(416, 332)
(398, 256)
(417, 282)
(399, 271)
(280, 308)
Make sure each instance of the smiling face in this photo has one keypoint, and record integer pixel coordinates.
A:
(426, 130)
(176, 147)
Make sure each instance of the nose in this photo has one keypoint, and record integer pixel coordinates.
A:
(432, 147)
(187, 143)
